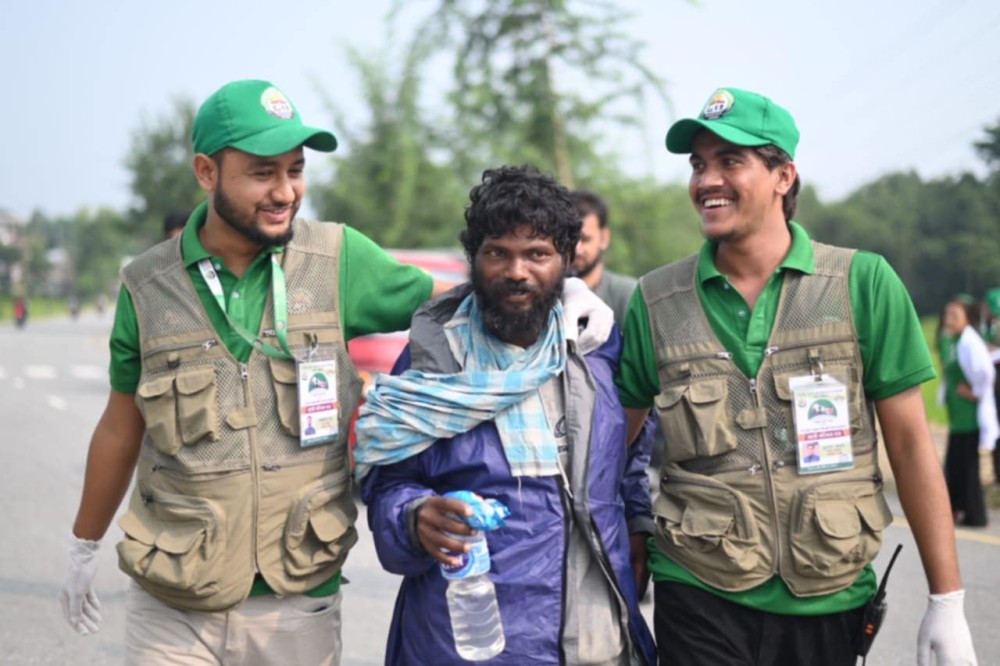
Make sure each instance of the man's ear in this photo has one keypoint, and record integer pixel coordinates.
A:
(786, 177)
(206, 170)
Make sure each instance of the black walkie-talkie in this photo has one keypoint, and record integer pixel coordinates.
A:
(874, 612)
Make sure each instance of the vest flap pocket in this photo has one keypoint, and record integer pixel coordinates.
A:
(708, 391)
(286, 392)
(157, 401)
(156, 387)
(282, 371)
(320, 528)
(173, 543)
(133, 527)
(197, 406)
(702, 523)
(191, 383)
(694, 419)
(706, 527)
(838, 519)
(330, 523)
(669, 397)
(180, 539)
(782, 386)
(875, 512)
(836, 528)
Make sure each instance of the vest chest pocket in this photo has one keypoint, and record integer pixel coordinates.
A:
(180, 409)
(286, 389)
(320, 528)
(838, 528)
(173, 543)
(694, 420)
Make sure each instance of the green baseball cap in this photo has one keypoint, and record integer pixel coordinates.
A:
(257, 118)
(738, 116)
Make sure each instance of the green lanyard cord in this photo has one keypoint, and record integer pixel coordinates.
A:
(279, 298)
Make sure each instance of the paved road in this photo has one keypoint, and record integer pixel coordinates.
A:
(52, 389)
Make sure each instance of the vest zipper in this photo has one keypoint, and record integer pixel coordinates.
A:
(770, 351)
(205, 345)
(768, 480)
(724, 355)
(254, 472)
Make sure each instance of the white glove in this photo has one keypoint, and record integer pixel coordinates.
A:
(79, 601)
(580, 302)
(945, 632)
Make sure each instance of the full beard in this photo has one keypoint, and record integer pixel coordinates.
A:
(521, 324)
(246, 227)
(588, 268)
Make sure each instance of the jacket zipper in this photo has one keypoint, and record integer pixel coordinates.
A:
(205, 345)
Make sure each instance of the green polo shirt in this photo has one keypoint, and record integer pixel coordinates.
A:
(893, 351)
(962, 413)
(377, 295)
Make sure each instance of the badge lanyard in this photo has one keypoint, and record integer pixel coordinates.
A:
(318, 411)
(279, 298)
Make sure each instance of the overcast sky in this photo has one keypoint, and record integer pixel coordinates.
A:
(875, 86)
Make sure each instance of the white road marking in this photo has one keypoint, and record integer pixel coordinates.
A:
(39, 372)
(55, 402)
(88, 372)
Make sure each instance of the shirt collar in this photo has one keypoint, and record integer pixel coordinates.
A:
(191, 248)
(799, 257)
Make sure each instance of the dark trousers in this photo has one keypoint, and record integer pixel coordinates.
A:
(961, 473)
(697, 628)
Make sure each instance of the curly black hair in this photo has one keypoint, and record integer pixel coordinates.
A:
(516, 196)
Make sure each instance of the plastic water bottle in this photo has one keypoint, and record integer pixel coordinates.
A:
(472, 602)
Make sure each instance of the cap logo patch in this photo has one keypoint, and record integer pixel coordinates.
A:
(276, 104)
(718, 105)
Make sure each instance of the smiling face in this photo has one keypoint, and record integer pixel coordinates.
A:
(733, 190)
(517, 279)
(258, 197)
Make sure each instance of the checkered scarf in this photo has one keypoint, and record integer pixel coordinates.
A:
(404, 414)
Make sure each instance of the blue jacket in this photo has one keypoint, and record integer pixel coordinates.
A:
(528, 553)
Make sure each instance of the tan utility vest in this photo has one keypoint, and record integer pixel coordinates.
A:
(223, 489)
(733, 509)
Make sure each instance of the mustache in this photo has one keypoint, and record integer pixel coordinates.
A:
(510, 287)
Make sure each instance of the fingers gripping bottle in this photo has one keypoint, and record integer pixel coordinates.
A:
(472, 599)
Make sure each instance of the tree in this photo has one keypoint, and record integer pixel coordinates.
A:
(159, 160)
(513, 60)
(989, 148)
(388, 185)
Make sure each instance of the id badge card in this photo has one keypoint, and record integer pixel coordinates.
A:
(319, 411)
(822, 423)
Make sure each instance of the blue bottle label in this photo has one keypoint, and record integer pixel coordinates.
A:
(475, 562)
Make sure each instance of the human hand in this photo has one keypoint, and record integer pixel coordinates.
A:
(964, 391)
(579, 302)
(80, 605)
(639, 556)
(944, 632)
(436, 522)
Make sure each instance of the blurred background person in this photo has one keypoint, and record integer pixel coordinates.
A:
(613, 288)
(174, 223)
(967, 387)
